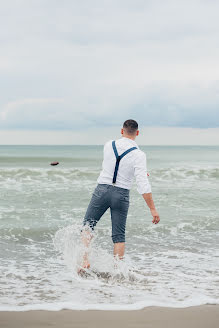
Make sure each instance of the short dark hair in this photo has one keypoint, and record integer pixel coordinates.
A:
(130, 126)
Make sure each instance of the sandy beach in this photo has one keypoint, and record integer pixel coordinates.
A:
(205, 316)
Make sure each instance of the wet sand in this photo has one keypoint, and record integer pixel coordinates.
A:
(204, 316)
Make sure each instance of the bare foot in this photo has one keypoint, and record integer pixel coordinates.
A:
(84, 266)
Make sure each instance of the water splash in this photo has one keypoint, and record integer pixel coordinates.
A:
(104, 266)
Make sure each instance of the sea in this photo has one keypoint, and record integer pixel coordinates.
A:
(174, 263)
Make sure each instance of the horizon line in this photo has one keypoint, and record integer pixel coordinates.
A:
(55, 145)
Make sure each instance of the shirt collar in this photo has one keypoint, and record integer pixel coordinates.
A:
(130, 141)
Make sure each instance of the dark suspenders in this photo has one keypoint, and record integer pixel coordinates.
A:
(118, 159)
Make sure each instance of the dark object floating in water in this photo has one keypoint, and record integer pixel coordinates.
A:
(54, 163)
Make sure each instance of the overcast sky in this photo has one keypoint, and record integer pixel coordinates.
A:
(72, 71)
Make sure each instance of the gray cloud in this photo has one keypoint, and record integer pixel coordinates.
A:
(74, 64)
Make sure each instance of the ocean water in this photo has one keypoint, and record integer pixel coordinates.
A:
(174, 263)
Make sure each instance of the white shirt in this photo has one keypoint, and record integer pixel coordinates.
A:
(131, 165)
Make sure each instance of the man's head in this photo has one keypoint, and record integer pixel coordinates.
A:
(130, 129)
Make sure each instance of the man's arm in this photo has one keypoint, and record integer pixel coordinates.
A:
(149, 200)
(143, 184)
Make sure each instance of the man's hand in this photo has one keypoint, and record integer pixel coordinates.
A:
(155, 215)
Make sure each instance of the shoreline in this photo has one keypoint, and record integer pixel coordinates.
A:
(201, 316)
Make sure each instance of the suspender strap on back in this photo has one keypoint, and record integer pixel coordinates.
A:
(118, 158)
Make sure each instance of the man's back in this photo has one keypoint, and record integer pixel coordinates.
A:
(132, 164)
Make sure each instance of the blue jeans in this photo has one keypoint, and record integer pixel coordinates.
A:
(117, 199)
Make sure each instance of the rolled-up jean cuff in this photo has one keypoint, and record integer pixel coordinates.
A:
(87, 225)
(118, 238)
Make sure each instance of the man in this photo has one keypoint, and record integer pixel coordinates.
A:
(123, 160)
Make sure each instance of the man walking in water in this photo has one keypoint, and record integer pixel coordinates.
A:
(123, 160)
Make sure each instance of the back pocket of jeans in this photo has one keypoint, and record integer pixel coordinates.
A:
(100, 190)
(123, 196)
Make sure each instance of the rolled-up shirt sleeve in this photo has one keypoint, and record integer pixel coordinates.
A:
(140, 172)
